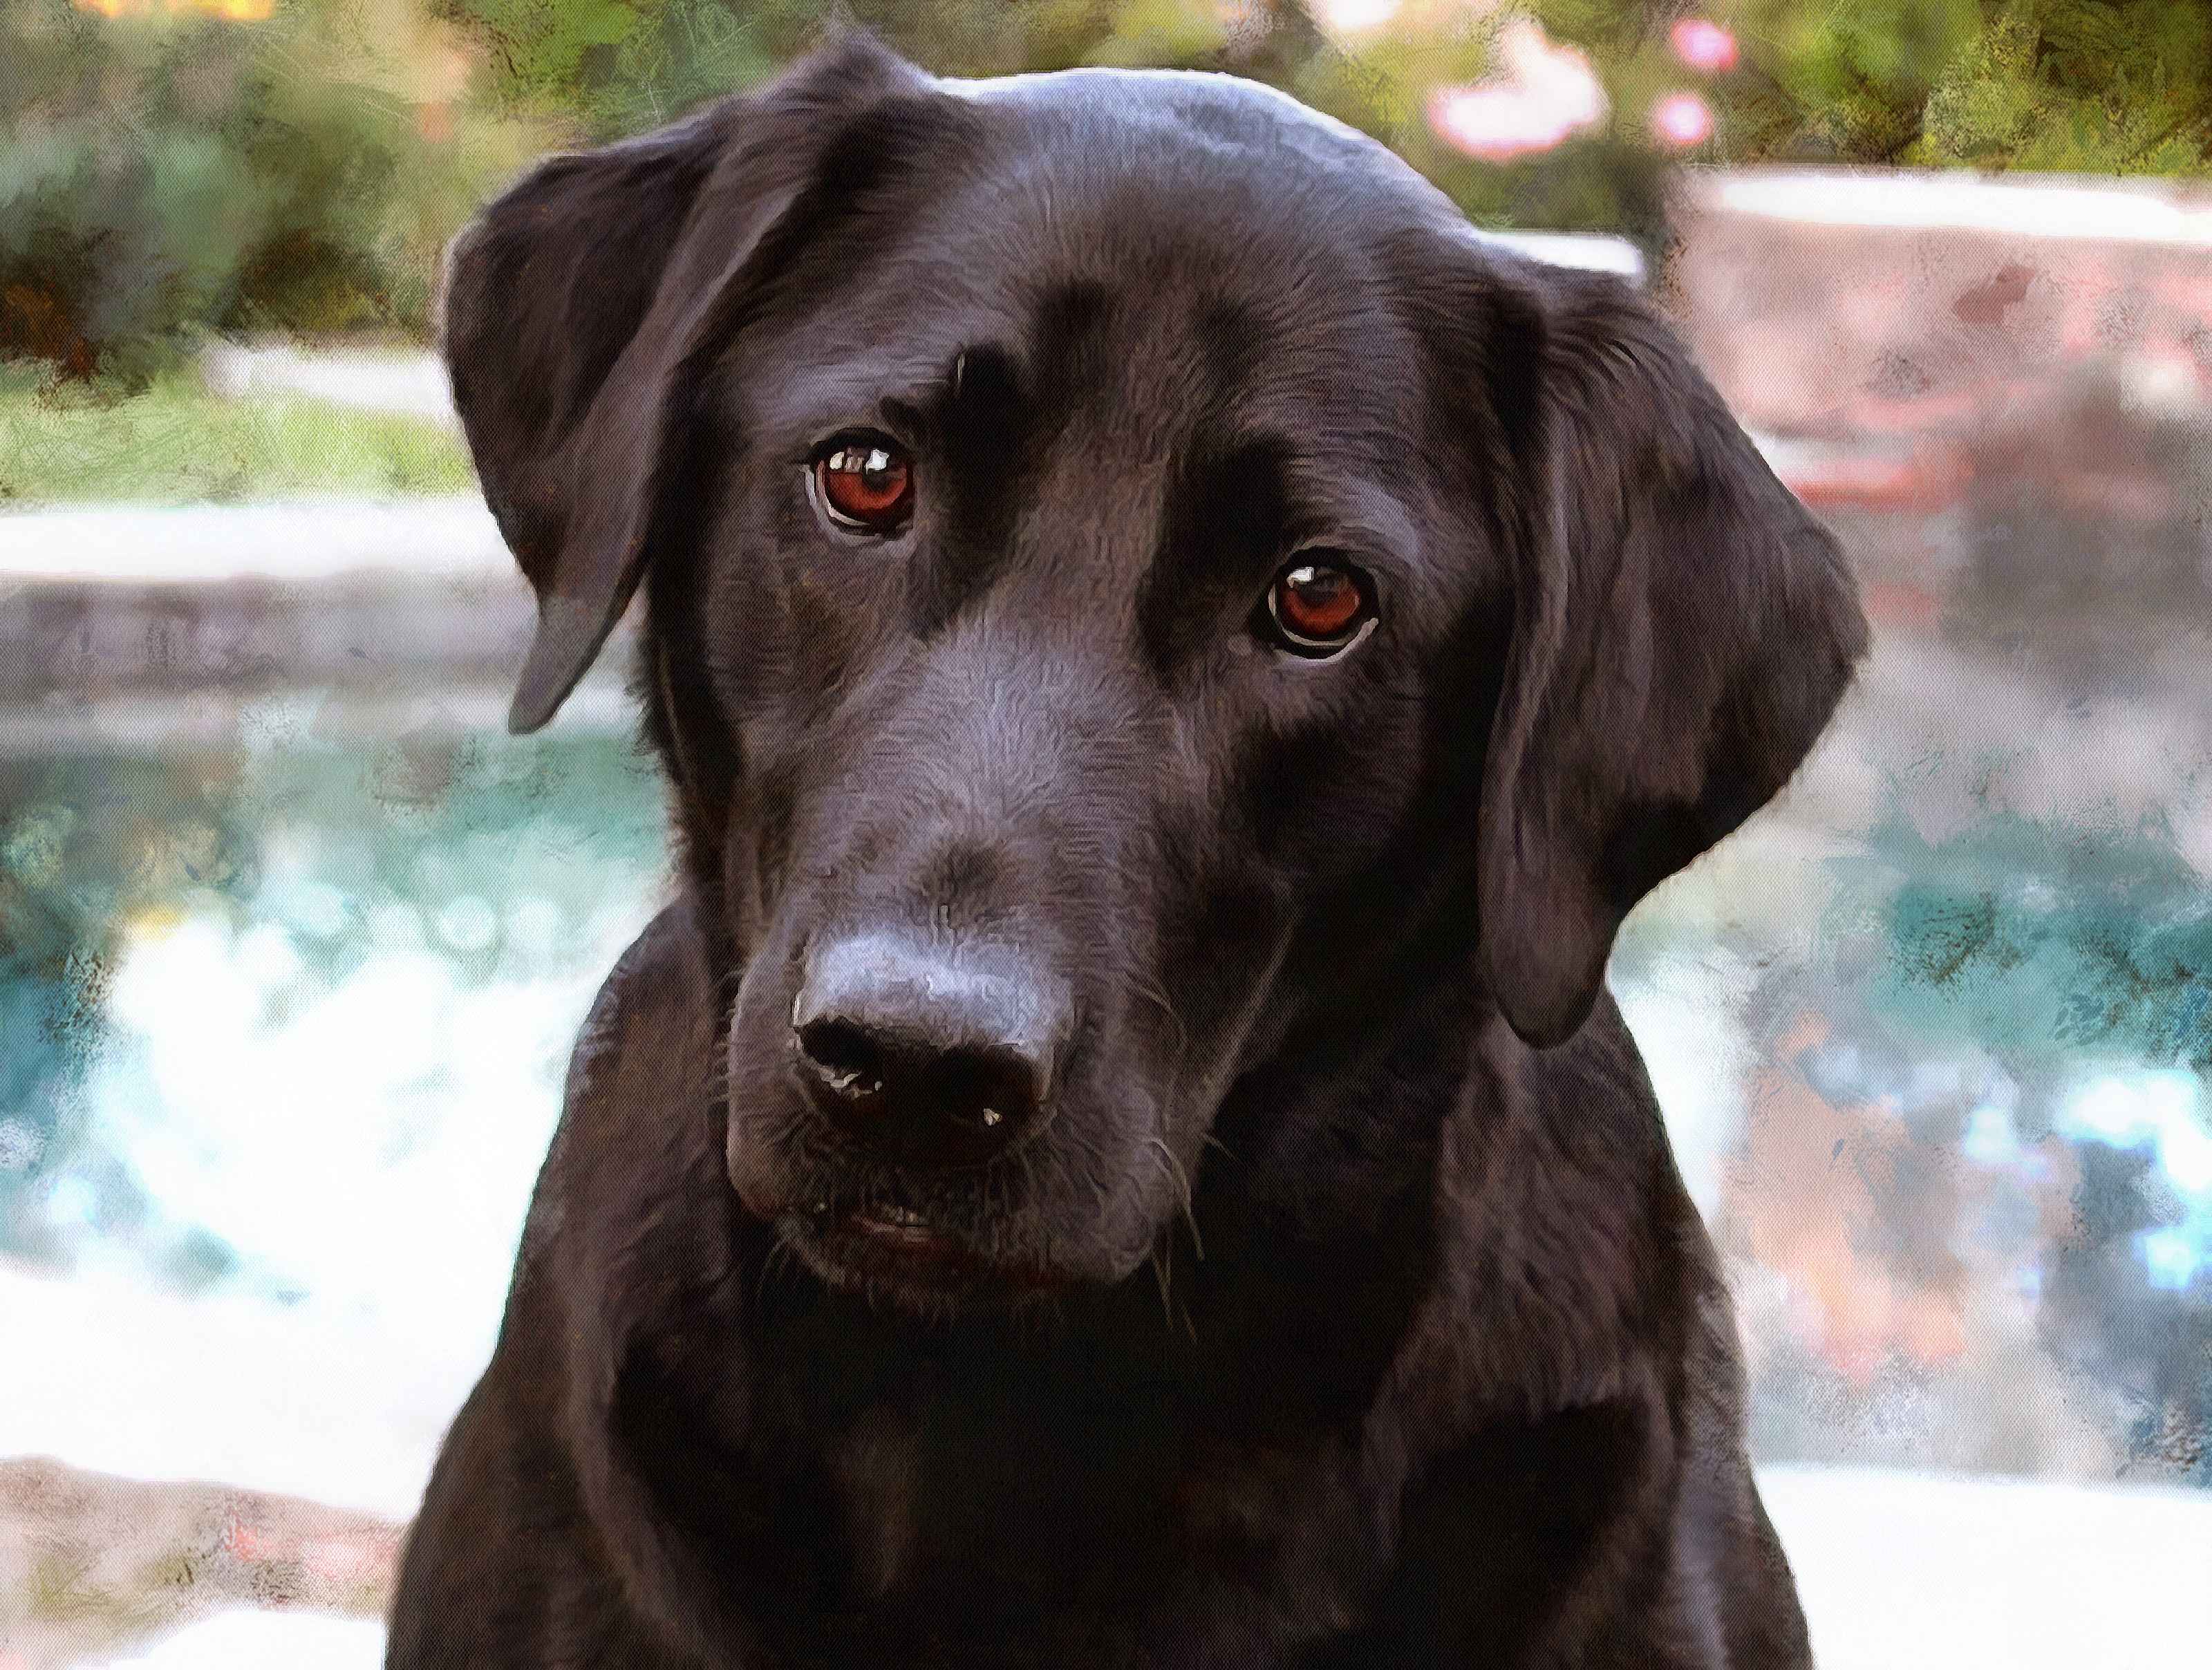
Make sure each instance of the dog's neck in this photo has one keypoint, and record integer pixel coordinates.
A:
(936, 1436)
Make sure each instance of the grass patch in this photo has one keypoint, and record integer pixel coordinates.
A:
(175, 442)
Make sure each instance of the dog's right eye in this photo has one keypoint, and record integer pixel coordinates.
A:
(864, 482)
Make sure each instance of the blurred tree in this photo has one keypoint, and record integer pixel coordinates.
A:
(166, 169)
(165, 173)
(2088, 85)
(615, 66)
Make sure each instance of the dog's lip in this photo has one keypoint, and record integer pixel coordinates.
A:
(886, 1245)
(908, 1232)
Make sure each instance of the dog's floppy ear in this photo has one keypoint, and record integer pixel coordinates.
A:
(1682, 630)
(572, 308)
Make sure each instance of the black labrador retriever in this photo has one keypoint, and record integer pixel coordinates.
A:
(1173, 654)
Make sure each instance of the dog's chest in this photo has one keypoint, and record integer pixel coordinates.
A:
(1045, 1546)
(878, 1477)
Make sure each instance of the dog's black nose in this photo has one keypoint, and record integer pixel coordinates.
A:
(936, 1060)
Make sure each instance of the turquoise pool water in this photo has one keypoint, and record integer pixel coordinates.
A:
(248, 990)
(286, 1019)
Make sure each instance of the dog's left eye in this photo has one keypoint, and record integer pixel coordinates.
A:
(864, 482)
(1319, 607)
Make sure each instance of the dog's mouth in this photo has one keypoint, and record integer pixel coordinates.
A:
(885, 1249)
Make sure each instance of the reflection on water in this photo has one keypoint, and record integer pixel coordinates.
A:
(284, 1018)
(2009, 1042)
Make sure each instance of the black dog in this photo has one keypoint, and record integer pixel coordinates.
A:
(1173, 656)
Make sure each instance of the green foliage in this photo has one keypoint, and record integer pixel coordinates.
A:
(2121, 86)
(2088, 85)
(614, 66)
(2117, 85)
(162, 175)
(1151, 32)
(172, 442)
(610, 66)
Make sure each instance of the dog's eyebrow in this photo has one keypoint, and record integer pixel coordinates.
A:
(978, 412)
(978, 397)
(1240, 504)
(906, 386)
(1228, 503)
(930, 390)
(1350, 508)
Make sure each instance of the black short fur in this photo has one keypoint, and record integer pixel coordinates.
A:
(1344, 1306)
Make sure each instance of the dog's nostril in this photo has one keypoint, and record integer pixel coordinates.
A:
(986, 1090)
(842, 1057)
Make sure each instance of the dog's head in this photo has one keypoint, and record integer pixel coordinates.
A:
(1133, 577)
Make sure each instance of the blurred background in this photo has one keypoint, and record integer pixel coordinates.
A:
(294, 939)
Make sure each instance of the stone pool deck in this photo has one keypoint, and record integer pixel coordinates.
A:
(126, 625)
(123, 624)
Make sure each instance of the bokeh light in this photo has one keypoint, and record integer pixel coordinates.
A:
(1544, 92)
(1682, 120)
(1703, 45)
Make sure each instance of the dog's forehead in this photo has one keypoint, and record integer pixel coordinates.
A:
(1191, 221)
(1229, 185)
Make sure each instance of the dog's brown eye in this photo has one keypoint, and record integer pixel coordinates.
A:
(865, 481)
(1318, 608)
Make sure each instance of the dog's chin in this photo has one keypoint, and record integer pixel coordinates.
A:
(932, 1247)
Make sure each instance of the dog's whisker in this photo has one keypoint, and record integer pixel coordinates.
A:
(1143, 985)
(1184, 1204)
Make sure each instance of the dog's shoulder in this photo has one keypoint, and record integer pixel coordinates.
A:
(623, 1211)
(1575, 1369)
(638, 1117)
(642, 1060)
(623, 1171)
(1589, 1107)
(649, 1031)
(658, 985)
(1559, 1205)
